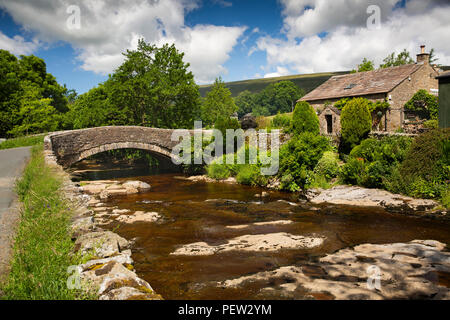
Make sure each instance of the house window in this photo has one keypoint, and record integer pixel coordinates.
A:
(329, 119)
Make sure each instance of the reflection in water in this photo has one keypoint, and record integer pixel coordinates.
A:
(200, 212)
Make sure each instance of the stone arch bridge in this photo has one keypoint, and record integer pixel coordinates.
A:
(68, 147)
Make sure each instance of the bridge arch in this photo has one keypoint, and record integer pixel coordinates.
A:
(68, 147)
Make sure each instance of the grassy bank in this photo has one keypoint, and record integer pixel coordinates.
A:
(43, 246)
(25, 141)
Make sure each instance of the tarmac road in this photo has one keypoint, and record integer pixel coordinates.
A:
(12, 163)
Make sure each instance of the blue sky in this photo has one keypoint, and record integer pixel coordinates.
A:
(233, 39)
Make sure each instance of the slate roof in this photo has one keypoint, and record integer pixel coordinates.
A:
(362, 83)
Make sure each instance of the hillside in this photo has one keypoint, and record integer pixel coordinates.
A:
(307, 82)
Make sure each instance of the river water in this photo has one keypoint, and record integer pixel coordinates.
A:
(201, 212)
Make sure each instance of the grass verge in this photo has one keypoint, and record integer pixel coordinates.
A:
(25, 141)
(43, 247)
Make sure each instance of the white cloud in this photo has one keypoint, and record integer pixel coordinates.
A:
(345, 44)
(17, 45)
(281, 71)
(309, 17)
(109, 27)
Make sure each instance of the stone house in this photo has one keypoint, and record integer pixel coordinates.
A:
(395, 85)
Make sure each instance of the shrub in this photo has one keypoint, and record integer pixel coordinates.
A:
(251, 175)
(328, 165)
(281, 121)
(446, 198)
(356, 123)
(431, 124)
(371, 163)
(299, 157)
(218, 171)
(304, 119)
(425, 172)
(352, 171)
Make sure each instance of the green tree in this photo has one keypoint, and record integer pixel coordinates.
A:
(154, 88)
(10, 91)
(393, 60)
(277, 97)
(36, 114)
(26, 87)
(218, 103)
(245, 102)
(92, 109)
(365, 65)
(356, 122)
(305, 119)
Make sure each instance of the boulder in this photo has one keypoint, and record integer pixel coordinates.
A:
(82, 225)
(140, 216)
(102, 244)
(136, 185)
(363, 197)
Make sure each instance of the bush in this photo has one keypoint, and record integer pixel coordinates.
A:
(218, 171)
(425, 172)
(431, 124)
(352, 171)
(251, 175)
(281, 121)
(299, 157)
(304, 119)
(356, 123)
(446, 198)
(328, 165)
(372, 163)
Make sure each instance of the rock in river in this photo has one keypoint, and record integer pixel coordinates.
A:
(257, 242)
(419, 269)
(363, 197)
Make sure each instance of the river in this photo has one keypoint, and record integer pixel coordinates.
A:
(206, 212)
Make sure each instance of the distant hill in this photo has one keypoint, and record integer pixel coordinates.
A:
(307, 82)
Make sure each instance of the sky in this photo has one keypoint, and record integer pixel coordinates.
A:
(82, 41)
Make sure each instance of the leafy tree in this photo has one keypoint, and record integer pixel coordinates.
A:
(365, 65)
(154, 87)
(356, 122)
(36, 114)
(424, 102)
(218, 103)
(278, 97)
(26, 87)
(10, 90)
(92, 109)
(245, 102)
(305, 119)
(394, 61)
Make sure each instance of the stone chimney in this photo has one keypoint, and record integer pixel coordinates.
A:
(423, 57)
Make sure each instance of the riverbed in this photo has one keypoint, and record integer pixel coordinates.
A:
(215, 213)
